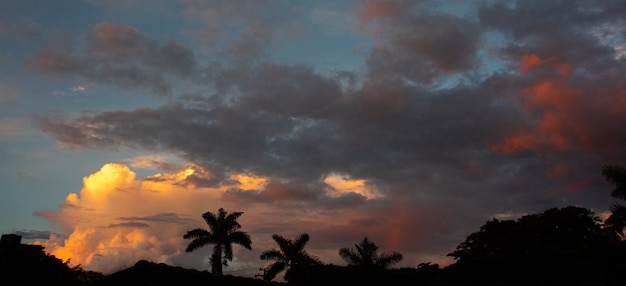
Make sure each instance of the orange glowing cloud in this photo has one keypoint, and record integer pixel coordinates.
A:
(528, 62)
(343, 184)
(564, 115)
(250, 182)
(117, 219)
(559, 125)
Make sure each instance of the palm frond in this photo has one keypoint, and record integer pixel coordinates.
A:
(300, 241)
(196, 233)
(231, 219)
(308, 259)
(272, 254)
(283, 243)
(385, 260)
(242, 239)
(616, 175)
(197, 243)
(274, 269)
(350, 256)
(365, 254)
(211, 220)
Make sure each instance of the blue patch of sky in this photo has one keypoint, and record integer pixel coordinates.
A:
(327, 40)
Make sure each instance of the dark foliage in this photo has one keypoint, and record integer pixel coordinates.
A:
(326, 275)
(23, 264)
(616, 175)
(553, 246)
(291, 258)
(365, 254)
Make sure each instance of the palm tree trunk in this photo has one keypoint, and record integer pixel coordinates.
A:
(216, 260)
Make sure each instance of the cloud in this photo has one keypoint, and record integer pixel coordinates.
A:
(130, 224)
(368, 11)
(241, 31)
(155, 161)
(120, 56)
(162, 217)
(26, 31)
(439, 133)
(78, 88)
(566, 115)
(418, 44)
(33, 234)
(117, 218)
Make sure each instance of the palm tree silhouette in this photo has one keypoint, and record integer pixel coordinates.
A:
(291, 257)
(616, 175)
(223, 233)
(366, 255)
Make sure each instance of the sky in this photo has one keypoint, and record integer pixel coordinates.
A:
(411, 123)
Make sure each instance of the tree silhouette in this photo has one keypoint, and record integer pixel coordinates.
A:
(552, 233)
(365, 254)
(616, 175)
(290, 256)
(223, 232)
(560, 243)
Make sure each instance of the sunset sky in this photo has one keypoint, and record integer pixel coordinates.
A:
(409, 122)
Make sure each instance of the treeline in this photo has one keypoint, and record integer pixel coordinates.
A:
(560, 246)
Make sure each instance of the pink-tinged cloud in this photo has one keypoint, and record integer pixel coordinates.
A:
(565, 116)
(117, 42)
(367, 11)
(529, 61)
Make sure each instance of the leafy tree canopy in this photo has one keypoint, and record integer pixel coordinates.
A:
(555, 234)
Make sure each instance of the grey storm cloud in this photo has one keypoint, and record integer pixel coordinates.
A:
(161, 217)
(33, 234)
(131, 224)
(425, 46)
(120, 56)
(519, 139)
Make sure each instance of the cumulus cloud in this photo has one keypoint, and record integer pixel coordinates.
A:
(117, 218)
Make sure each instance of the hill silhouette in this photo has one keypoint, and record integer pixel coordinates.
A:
(145, 273)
